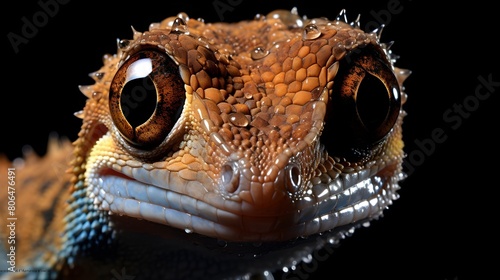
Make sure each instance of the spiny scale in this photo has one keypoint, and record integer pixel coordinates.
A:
(378, 31)
(86, 90)
(342, 16)
(136, 34)
(356, 23)
(97, 76)
(80, 114)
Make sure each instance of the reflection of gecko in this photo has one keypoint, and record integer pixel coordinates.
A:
(217, 150)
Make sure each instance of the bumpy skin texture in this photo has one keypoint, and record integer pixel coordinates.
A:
(260, 136)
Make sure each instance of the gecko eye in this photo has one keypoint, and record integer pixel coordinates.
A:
(364, 104)
(146, 98)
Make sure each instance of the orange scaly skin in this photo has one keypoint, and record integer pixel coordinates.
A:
(219, 150)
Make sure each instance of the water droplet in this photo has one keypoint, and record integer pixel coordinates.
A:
(319, 21)
(311, 32)
(259, 17)
(290, 18)
(238, 119)
(259, 53)
(154, 25)
(123, 43)
(183, 16)
(188, 230)
(97, 76)
(221, 243)
(179, 26)
(307, 259)
(248, 95)
(285, 269)
(96, 95)
(333, 240)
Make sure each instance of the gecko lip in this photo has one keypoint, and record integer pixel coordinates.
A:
(352, 197)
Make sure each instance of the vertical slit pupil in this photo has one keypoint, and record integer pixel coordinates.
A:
(138, 100)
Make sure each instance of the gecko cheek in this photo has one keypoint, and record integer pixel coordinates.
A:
(146, 98)
(364, 105)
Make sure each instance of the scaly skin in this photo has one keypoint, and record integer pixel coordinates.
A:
(227, 149)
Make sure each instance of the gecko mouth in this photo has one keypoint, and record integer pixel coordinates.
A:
(350, 199)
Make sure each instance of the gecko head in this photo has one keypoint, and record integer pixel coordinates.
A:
(291, 128)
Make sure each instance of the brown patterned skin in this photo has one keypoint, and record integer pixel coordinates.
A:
(227, 149)
(41, 190)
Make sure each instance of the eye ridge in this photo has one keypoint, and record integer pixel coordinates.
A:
(146, 98)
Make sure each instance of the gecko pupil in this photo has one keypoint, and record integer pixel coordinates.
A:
(372, 102)
(138, 100)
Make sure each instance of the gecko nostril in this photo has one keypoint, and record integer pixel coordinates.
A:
(229, 178)
(293, 178)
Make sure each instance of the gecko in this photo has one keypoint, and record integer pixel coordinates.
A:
(216, 150)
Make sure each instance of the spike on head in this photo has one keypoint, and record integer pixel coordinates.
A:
(378, 31)
(79, 114)
(402, 74)
(356, 23)
(388, 45)
(96, 76)
(86, 90)
(136, 34)
(342, 16)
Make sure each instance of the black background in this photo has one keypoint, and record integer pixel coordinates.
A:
(443, 225)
